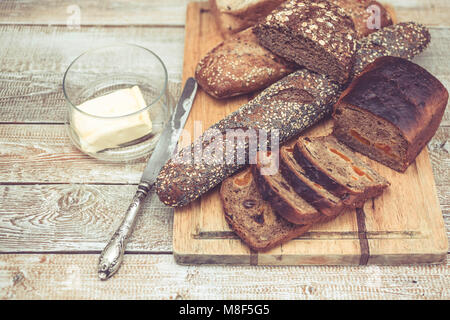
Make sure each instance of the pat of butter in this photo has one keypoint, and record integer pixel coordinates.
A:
(96, 134)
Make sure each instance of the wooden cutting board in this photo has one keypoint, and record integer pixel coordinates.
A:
(403, 226)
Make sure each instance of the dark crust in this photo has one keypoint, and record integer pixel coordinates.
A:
(307, 192)
(278, 202)
(403, 94)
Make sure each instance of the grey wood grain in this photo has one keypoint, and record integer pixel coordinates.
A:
(92, 12)
(63, 276)
(78, 218)
(33, 56)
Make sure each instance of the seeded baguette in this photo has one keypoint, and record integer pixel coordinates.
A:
(291, 105)
(284, 109)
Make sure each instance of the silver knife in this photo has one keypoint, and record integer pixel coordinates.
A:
(112, 256)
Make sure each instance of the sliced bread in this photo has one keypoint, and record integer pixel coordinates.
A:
(252, 218)
(281, 195)
(312, 192)
(338, 169)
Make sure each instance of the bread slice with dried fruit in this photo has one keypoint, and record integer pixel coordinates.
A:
(315, 194)
(338, 169)
(251, 217)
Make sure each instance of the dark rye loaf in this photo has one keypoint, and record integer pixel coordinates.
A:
(390, 111)
(253, 218)
(317, 35)
(275, 108)
(289, 106)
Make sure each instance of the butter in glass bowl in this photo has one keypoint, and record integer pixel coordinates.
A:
(118, 102)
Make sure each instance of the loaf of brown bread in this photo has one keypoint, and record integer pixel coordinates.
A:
(240, 65)
(253, 218)
(390, 111)
(291, 105)
(317, 35)
(403, 40)
(338, 169)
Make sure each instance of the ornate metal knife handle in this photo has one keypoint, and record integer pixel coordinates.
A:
(112, 256)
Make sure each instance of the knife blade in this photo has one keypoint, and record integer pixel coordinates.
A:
(111, 257)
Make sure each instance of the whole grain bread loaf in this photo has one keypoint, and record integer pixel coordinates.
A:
(240, 65)
(404, 40)
(284, 109)
(291, 105)
(338, 169)
(390, 111)
(252, 218)
(317, 35)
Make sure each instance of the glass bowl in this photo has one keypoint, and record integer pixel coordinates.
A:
(117, 102)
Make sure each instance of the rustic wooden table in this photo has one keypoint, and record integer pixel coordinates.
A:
(59, 207)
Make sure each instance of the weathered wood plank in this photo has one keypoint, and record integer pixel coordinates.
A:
(33, 61)
(81, 218)
(169, 12)
(91, 12)
(57, 276)
(44, 153)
